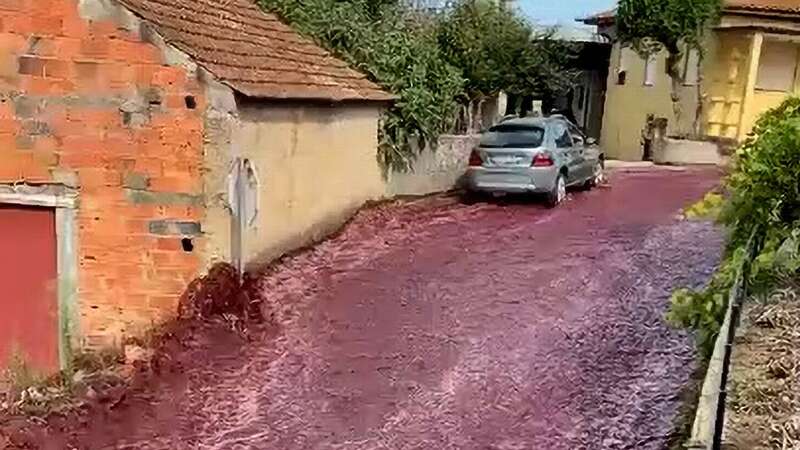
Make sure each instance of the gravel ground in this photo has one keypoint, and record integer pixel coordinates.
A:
(436, 325)
(764, 406)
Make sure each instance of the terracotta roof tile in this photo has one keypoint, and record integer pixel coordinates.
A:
(780, 6)
(601, 17)
(775, 6)
(253, 51)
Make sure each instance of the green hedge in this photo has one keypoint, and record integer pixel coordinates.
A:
(764, 194)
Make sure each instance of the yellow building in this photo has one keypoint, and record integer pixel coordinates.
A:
(749, 66)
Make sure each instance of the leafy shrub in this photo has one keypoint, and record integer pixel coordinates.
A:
(764, 195)
(395, 48)
(709, 207)
(765, 187)
(704, 310)
(497, 49)
(433, 62)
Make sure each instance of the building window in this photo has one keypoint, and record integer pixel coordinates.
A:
(691, 75)
(777, 67)
(563, 139)
(650, 66)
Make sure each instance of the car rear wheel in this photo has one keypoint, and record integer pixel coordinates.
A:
(559, 192)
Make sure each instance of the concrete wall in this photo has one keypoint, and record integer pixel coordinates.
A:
(628, 105)
(739, 92)
(733, 98)
(727, 80)
(90, 99)
(763, 101)
(316, 164)
(221, 124)
(686, 152)
(434, 171)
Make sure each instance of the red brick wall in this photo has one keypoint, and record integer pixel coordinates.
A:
(90, 104)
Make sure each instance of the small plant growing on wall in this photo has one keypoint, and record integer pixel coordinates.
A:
(676, 26)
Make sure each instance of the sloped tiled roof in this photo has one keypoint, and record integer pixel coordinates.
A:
(768, 6)
(600, 17)
(778, 6)
(253, 51)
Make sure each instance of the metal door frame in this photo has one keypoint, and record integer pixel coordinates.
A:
(64, 201)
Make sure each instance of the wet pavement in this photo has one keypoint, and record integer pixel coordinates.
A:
(436, 325)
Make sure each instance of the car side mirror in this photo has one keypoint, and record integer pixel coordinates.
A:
(591, 141)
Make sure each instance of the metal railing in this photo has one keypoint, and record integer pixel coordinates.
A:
(738, 295)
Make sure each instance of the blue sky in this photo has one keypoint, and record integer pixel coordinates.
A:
(562, 11)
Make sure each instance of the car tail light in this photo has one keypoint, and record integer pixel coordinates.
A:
(475, 159)
(542, 160)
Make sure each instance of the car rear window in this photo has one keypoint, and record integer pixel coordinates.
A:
(511, 135)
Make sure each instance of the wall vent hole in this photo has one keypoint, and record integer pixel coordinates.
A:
(187, 244)
(191, 102)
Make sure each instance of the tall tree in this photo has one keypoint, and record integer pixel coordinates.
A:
(650, 26)
(498, 50)
(384, 40)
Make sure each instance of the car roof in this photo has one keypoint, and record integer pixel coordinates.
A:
(532, 121)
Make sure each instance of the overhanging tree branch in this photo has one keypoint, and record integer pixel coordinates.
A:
(650, 26)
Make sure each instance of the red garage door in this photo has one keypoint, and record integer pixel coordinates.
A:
(28, 286)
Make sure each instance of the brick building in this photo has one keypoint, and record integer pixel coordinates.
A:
(121, 126)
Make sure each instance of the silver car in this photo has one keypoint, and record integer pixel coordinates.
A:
(534, 155)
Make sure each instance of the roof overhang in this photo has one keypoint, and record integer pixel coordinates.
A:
(744, 10)
(602, 18)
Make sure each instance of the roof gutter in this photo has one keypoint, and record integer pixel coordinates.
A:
(320, 101)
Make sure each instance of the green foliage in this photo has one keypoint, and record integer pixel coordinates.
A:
(394, 48)
(673, 25)
(428, 60)
(25, 390)
(709, 207)
(704, 310)
(764, 195)
(19, 375)
(764, 187)
(652, 25)
(497, 49)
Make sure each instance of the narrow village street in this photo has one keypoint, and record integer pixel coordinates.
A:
(435, 325)
(300, 224)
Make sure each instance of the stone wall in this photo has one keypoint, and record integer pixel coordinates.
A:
(687, 152)
(89, 98)
(434, 171)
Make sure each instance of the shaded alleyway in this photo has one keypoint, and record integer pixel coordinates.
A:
(435, 325)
